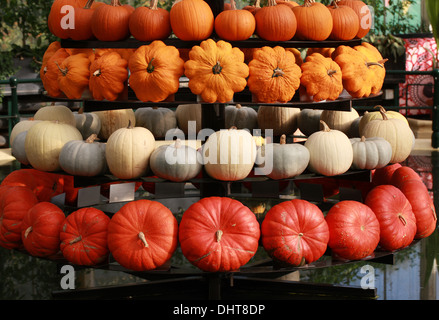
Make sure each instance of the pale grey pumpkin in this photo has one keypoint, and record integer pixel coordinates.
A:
(17, 148)
(158, 120)
(83, 158)
(288, 159)
(370, 153)
(176, 162)
(87, 123)
(240, 117)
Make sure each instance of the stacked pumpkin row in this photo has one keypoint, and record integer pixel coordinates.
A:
(193, 20)
(216, 71)
(220, 234)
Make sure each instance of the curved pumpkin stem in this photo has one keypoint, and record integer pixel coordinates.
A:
(150, 67)
(26, 233)
(153, 5)
(92, 138)
(141, 236)
(63, 71)
(383, 112)
(368, 64)
(325, 126)
(401, 217)
(77, 239)
(89, 4)
(331, 72)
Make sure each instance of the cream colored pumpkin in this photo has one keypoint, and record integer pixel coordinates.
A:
(128, 151)
(339, 120)
(22, 125)
(330, 152)
(288, 159)
(56, 113)
(374, 115)
(240, 117)
(395, 131)
(112, 120)
(185, 113)
(157, 120)
(370, 153)
(229, 155)
(44, 142)
(283, 120)
(17, 148)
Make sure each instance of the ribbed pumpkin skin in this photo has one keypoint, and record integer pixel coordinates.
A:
(150, 23)
(275, 23)
(314, 21)
(295, 232)
(15, 202)
(218, 234)
(137, 219)
(40, 229)
(44, 142)
(395, 215)
(235, 24)
(354, 230)
(110, 22)
(83, 237)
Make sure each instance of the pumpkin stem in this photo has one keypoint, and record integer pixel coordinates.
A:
(26, 233)
(325, 126)
(218, 234)
(130, 126)
(283, 139)
(92, 138)
(308, 3)
(401, 217)
(63, 71)
(89, 4)
(238, 106)
(257, 4)
(368, 64)
(216, 69)
(383, 113)
(331, 72)
(77, 239)
(97, 73)
(277, 72)
(115, 3)
(153, 5)
(150, 67)
(232, 4)
(141, 236)
(363, 138)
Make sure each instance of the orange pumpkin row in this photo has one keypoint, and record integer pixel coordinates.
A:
(194, 20)
(216, 70)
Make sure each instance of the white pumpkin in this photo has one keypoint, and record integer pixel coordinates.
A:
(330, 152)
(287, 159)
(128, 151)
(44, 142)
(370, 153)
(157, 120)
(175, 162)
(17, 148)
(22, 125)
(229, 154)
(240, 117)
(83, 158)
(56, 113)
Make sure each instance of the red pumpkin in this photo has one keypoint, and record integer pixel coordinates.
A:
(45, 185)
(15, 202)
(110, 22)
(403, 174)
(395, 215)
(40, 229)
(83, 237)
(295, 232)
(142, 235)
(218, 234)
(150, 23)
(354, 230)
(83, 21)
(58, 11)
(384, 175)
(422, 205)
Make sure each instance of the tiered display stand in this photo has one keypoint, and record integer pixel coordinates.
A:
(257, 279)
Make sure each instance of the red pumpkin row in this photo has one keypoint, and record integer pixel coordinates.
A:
(194, 20)
(215, 234)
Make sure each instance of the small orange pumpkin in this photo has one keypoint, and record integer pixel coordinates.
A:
(110, 22)
(274, 23)
(73, 75)
(314, 21)
(345, 22)
(234, 24)
(150, 23)
(49, 72)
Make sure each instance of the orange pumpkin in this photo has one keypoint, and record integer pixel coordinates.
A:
(234, 24)
(58, 11)
(150, 23)
(274, 23)
(321, 77)
(110, 22)
(345, 22)
(363, 13)
(49, 72)
(274, 75)
(108, 76)
(216, 70)
(254, 7)
(314, 21)
(191, 20)
(155, 71)
(73, 75)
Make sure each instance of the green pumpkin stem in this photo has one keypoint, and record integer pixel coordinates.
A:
(150, 67)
